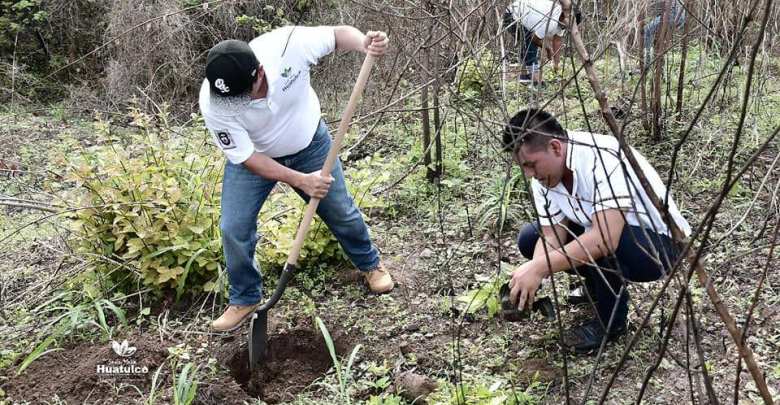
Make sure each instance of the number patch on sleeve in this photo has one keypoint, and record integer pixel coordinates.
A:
(224, 139)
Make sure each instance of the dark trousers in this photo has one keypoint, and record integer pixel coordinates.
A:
(641, 256)
(529, 51)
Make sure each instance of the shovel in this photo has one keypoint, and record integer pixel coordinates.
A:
(258, 324)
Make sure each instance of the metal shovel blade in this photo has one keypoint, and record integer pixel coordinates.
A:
(258, 338)
(258, 324)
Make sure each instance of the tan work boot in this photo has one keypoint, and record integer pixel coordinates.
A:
(233, 317)
(379, 280)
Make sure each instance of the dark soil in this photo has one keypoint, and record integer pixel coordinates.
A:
(222, 390)
(541, 370)
(71, 374)
(296, 358)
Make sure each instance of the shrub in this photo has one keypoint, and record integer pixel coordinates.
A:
(502, 203)
(475, 75)
(18, 16)
(151, 211)
(153, 207)
(270, 17)
(282, 213)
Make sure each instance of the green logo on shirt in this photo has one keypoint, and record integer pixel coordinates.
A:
(286, 72)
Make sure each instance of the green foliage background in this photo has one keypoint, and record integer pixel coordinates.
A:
(151, 199)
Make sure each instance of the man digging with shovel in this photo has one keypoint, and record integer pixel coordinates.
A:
(258, 103)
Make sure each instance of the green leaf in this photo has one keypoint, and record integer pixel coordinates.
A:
(331, 347)
(163, 251)
(197, 229)
(134, 246)
(118, 312)
(39, 351)
(183, 279)
(102, 318)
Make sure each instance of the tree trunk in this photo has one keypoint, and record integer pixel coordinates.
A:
(430, 174)
(659, 47)
(683, 57)
(642, 71)
(437, 127)
(426, 134)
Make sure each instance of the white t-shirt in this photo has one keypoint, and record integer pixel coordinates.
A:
(284, 122)
(540, 16)
(600, 183)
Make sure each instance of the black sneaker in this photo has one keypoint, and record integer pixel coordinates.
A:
(524, 78)
(587, 337)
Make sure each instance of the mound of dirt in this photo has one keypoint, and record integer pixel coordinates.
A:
(296, 358)
(222, 390)
(414, 387)
(89, 372)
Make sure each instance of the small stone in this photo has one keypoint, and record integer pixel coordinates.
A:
(414, 387)
(405, 349)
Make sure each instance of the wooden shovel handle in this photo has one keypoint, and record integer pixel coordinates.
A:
(346, 117)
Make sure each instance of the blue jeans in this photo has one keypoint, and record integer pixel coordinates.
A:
(641, 256)
(243, 195)
(529, 51)
(676, 19)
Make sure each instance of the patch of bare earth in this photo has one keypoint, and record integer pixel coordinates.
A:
(78, 374)
(296, 359)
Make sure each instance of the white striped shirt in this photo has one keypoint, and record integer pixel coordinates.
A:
(600, 182)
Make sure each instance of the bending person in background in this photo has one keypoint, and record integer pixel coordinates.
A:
(537, 20)
(653, 27)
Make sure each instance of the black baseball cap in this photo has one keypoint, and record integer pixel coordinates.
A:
(231, 67)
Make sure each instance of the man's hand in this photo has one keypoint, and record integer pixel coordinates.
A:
(314, 184)
(524, 283)
(375, 43)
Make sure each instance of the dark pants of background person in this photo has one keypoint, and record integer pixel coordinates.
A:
(641, 256)
(529, 51)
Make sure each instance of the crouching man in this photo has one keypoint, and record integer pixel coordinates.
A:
(594, 220)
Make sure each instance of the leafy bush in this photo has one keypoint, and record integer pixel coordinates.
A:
(270, 17)
(154, 209)
(18, 16)
(501, 203)
(485, 392)
(151, 211)
(282, 213)
(475, 75)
